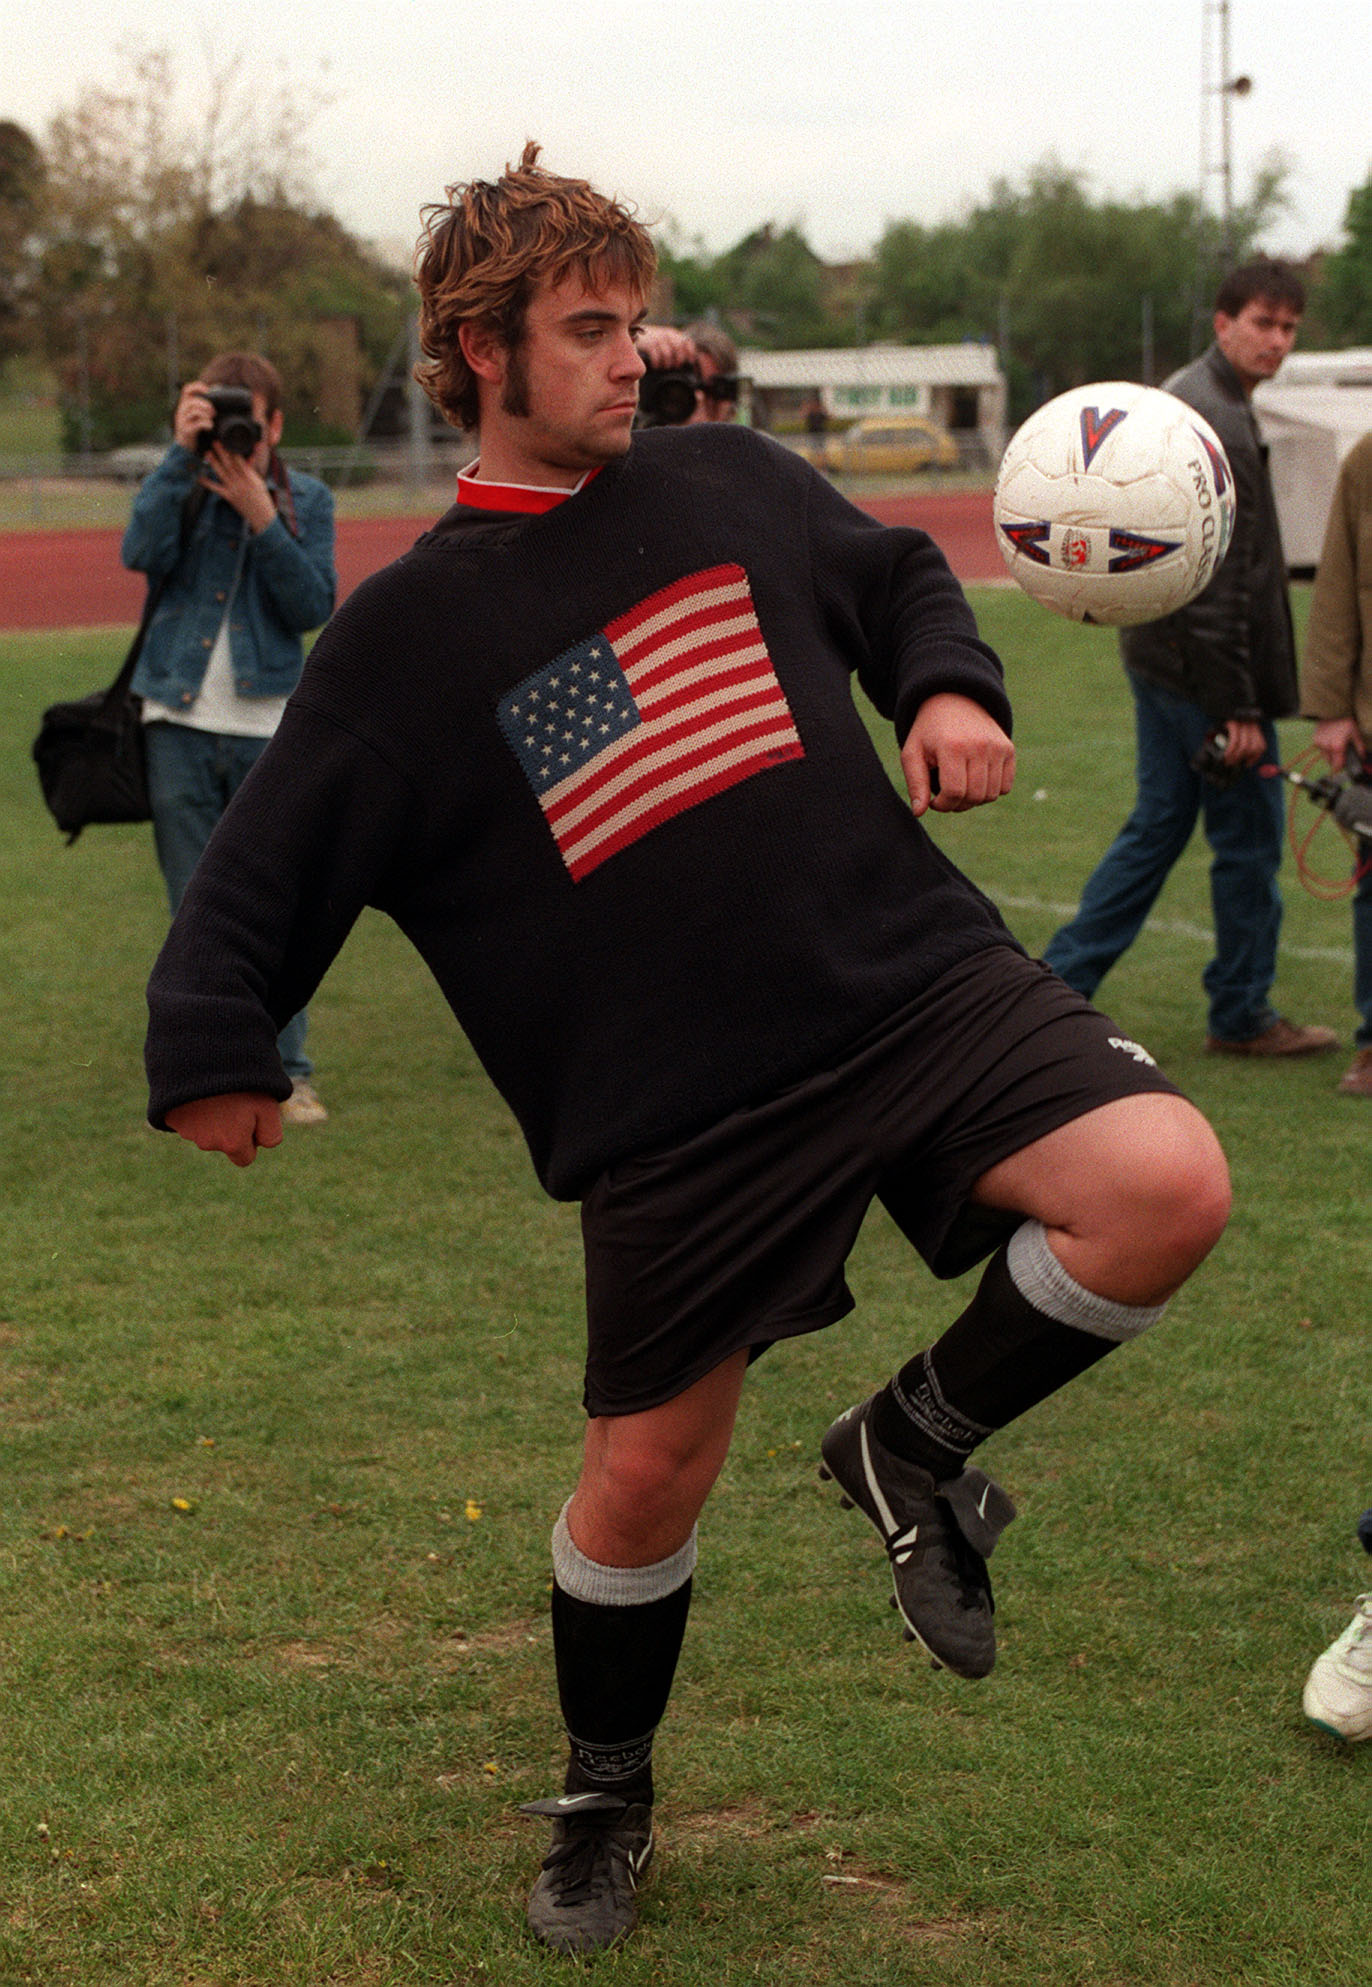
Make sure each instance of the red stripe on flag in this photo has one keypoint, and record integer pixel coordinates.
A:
(621, 770)
(702, 789)
(672, 760)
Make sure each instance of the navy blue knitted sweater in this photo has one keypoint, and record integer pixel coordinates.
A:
(604, 768)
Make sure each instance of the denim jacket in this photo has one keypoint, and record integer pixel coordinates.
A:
(285, 586)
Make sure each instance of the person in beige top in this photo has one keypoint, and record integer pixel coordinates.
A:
(1336, 691)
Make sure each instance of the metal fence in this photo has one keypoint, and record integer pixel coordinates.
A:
(339, 465)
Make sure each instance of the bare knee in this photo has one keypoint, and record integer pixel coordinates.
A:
(1133, 1196)
(637, 1474)
(645, 1477)
(1179, 1191)
(636, 1502)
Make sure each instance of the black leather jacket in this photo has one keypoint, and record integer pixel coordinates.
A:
(1231, 650)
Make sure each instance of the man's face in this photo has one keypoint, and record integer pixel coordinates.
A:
(569, 389)
(1258, 339)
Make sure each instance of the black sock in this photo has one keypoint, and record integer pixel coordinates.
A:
(1001, 1357)
(615, 1667)
(913, 1418)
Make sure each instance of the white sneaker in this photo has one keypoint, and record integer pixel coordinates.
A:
(1338, 1690)
(303, 1107)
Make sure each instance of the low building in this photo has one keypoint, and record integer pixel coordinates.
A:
(960, 386)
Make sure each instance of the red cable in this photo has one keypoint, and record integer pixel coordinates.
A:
(1326, 888)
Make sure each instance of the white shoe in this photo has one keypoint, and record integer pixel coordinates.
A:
(1338, 1690)
(302, 1107)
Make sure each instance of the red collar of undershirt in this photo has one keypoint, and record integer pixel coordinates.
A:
(531, 498)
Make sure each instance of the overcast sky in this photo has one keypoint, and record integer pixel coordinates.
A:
(838, 117)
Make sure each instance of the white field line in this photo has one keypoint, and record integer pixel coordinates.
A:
(1332, 955)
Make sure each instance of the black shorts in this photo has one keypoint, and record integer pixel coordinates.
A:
(739, 1236)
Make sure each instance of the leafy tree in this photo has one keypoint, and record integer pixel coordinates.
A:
(1343, 295)
(21, 193)
(1084, 279)
(690, 271)
(1070, 288)
(770, 289)
(266, 273)
(773, 281)
(166, 237)
(934, 282)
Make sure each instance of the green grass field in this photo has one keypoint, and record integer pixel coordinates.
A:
(282, 1450)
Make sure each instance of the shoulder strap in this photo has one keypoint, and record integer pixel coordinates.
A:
(280, 479)
(190, 510)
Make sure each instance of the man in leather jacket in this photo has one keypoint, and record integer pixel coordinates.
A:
(1216, 673)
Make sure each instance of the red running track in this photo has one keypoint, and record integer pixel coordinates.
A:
(73, 579)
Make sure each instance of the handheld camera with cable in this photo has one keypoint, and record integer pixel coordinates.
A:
(1346, 798)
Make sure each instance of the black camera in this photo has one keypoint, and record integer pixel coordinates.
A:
(235, 426)
(667, 398)
(1209, 761)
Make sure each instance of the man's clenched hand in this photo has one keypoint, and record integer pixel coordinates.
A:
(235, 1124)
(955, 740)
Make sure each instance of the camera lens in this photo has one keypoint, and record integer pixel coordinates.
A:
(667, 399)
(235, 428)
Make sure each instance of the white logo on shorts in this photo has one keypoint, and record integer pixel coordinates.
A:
(1134, 1049)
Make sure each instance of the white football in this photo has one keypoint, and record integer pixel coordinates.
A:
(1114, 503)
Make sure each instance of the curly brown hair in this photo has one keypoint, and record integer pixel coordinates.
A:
(485, 251)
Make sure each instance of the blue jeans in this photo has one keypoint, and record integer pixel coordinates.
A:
(1243, 825)
(192, 777)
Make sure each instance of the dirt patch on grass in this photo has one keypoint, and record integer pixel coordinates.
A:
(526, 1631)
(307, 1656)
(747, 1820)
(375, 1646)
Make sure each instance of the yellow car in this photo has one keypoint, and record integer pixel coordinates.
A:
(891, 445)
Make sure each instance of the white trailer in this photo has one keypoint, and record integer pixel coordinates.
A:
(1319, 405)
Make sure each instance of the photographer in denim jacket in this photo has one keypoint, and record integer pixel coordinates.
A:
(247, 553)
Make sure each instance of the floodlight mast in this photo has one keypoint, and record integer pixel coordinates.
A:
(1218, 89)
(1219, 83)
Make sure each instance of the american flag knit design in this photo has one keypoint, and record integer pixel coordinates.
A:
(668, 704)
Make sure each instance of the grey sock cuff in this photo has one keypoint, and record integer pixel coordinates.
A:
(1038, 1276)
(617, 1586)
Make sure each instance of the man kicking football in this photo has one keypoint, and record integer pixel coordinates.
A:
(592, 745)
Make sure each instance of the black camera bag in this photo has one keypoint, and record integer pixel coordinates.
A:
(91, 756)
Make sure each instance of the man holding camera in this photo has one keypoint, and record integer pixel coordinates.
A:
(245, 554)
(692, 375)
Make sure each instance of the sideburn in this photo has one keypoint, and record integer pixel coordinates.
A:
(514, 394)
